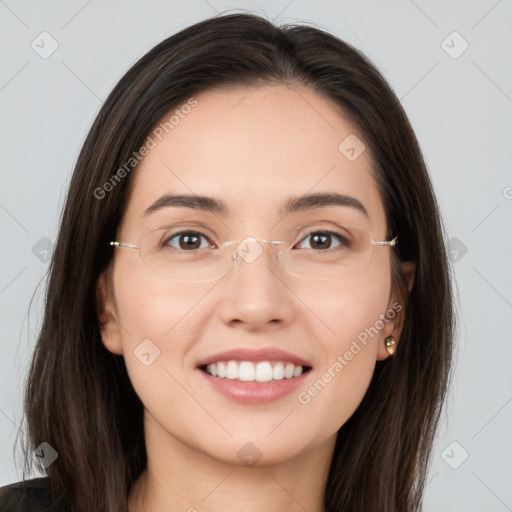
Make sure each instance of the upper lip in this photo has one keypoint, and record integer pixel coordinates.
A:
(248, 354)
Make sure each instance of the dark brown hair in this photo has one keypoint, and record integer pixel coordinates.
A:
(79, 398)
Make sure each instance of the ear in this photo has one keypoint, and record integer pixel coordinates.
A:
(107, 314)
(396, 311)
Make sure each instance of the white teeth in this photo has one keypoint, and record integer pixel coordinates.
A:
(247, 371)
(278, 371)
(263, 372)
(221, 370)
(232, 370)
(288, 371)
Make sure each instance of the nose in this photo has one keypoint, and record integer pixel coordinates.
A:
(255, 292)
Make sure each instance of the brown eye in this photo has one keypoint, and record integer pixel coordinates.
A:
(187, 241)
(322, 240)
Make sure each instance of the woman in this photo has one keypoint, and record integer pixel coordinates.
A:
(249, 301)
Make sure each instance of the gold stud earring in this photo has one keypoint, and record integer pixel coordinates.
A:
(390, 345)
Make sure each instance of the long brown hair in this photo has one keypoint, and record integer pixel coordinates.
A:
(79, 398)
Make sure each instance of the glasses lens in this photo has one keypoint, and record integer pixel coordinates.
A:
(184, 255)
(331, 254)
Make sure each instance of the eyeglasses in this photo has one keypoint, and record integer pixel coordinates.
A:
(190, 255)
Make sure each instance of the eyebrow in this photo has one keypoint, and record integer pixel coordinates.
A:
(292, 205)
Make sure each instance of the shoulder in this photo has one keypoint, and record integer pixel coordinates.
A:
(26, 496)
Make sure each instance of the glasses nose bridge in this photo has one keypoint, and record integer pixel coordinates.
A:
(250, 249)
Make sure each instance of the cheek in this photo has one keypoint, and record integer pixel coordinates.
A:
(355, 307)
(152, 307)
(355, 317)
(156, 317)
(159, 324)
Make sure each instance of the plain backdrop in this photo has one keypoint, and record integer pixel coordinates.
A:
(448, 62)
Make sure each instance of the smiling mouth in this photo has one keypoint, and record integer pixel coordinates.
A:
(248, 371)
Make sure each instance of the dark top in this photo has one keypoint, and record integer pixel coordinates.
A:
(26, 496)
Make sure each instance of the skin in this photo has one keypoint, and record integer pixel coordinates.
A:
(253, 149)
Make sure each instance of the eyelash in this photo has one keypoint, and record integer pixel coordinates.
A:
(343, 241)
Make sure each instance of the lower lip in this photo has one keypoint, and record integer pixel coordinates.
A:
(255, 392)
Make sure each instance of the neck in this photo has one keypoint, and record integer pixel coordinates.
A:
(181, 478)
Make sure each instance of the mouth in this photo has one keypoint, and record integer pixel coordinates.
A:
(251, 371)
(254, 376)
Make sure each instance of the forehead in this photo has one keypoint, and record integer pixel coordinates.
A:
(254, 149)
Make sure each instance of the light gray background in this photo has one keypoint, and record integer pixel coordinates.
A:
(460, 108)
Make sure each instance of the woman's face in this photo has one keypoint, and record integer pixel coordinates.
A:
(254, 150)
